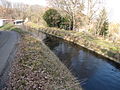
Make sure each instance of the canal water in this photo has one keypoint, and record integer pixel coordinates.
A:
(93, 71)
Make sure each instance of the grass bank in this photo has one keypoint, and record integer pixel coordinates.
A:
(11, 27)
(37, 68)
(98, 45)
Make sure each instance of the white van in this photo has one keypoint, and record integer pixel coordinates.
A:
(18, 22)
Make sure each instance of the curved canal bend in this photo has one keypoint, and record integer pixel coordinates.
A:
(93, 71)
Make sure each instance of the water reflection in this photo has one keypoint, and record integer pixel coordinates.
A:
(96, 72)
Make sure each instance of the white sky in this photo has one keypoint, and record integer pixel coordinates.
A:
(31, 2)
(113, 7)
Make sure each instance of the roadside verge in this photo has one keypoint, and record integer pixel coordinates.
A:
(36, 67)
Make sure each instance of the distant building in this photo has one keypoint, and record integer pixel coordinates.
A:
(5, 21)
(2, 22)
(16, 22)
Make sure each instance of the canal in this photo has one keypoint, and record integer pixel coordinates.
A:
(92, 71)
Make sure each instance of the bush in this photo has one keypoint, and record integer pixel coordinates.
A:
(104, 29)
(65, 23)
(52, 18)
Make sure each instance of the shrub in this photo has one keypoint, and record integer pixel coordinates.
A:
(104, 29)
(52, 18)
(65, 23)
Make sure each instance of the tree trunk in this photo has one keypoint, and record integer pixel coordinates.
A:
(74, 22)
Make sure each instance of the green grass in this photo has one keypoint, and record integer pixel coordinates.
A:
(6, 27)
(100, 42)
(12, 27)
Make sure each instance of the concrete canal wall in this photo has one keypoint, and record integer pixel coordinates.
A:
(85, 40)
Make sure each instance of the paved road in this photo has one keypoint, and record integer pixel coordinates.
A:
(8, 47)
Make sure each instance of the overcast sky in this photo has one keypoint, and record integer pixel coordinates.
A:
(31, 2)
(113, 7)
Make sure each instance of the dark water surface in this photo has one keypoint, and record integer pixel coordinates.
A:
(93, 71)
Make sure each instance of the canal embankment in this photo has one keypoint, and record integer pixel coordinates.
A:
(100, 46)
(37, 67)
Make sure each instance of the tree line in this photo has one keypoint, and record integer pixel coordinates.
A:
(11, 10)
(87, 15)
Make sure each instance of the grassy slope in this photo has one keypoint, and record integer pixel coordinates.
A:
(10, 27)
(6, 27)
(101, 46)
(36, 67)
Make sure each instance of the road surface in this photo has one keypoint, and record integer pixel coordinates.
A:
(8, 47)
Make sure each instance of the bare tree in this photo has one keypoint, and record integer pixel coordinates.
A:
(76, 8)
(6, 4)
(102, 19)
(20, 10)
(70, 7)
(93, 7)
(7, 8)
